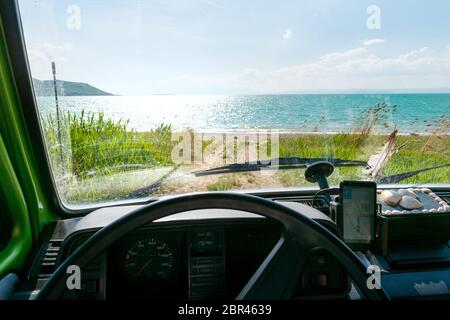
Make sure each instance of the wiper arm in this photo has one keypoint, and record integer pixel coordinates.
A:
(282, 164)
(396, 178)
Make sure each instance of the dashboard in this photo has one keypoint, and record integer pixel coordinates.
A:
(212, 260)
(212, 254)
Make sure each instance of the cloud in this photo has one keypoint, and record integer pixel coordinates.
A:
(287, 34)
(340, 56)
(354, 69)
(40, 57)
(47, 52)
(371, 42)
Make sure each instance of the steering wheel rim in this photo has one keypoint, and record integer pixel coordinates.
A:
(272, 280)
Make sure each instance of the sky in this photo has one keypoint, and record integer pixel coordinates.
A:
(139, 47)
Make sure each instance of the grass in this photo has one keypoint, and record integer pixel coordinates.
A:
(225, 183)
(97, 149)
(100, 146)
(417, 153)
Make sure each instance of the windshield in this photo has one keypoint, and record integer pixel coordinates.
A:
(140, 99)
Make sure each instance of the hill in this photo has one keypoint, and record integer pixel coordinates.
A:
(66, 88)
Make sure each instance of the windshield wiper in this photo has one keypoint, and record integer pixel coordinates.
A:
(280, 164)
(396, 178)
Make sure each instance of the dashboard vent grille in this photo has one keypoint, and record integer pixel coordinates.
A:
(319, 203)
(46, 263)
(444, 196)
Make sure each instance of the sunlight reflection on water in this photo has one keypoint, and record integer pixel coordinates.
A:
(302, 113)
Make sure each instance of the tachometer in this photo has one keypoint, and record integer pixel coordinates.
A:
(149, 258)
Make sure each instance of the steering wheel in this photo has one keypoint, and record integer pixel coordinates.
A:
(278, 275)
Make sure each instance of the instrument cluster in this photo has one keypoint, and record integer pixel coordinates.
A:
(189, 262)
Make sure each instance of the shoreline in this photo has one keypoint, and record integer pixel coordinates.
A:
(296, 133)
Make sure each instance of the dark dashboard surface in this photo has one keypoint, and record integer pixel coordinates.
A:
(204, 254)
(203, 260)
(190, 261)
(211, 254)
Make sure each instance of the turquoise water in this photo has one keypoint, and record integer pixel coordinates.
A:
(415, 113)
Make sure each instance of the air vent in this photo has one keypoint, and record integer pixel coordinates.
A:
(319, 203)
(46, 262)
(444, 196)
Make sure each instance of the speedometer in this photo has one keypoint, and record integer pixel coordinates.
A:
(149, 258)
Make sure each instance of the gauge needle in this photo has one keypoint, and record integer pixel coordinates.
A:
(143, 267)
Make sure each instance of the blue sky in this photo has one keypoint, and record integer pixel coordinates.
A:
(134, 47)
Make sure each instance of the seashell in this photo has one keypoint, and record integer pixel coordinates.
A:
(446, 208)
(404, 192)
(425, 190)
(438, 199)
(397, 212)
(387, 212)
(443, 203)
(410, 203)
(433, 210)
(441, 209)
(415, 211)
(390, 197)
(425, 211)
(433, 194)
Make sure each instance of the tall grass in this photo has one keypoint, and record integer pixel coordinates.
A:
(414, 152)
(101, 146)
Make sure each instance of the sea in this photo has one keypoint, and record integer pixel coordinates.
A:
(296, 113)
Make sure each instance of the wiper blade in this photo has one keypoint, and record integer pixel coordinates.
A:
(281, 164)
(152, 188)
(396, 178)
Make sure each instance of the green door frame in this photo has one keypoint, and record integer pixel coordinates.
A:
(26, 184)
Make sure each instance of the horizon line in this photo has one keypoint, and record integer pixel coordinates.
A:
(306, 92)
